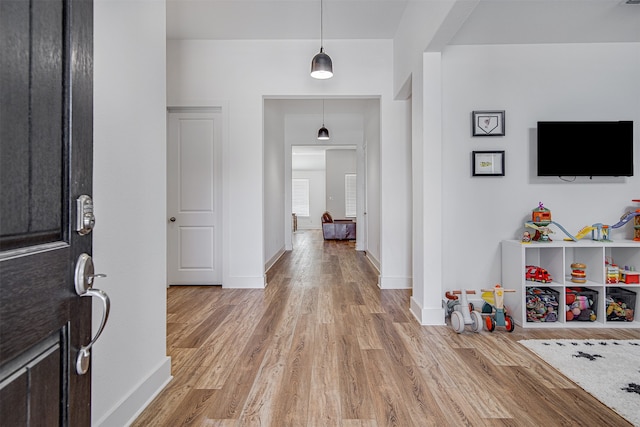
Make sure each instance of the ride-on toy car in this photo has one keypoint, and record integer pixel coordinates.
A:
(499, 317)
(462, 312)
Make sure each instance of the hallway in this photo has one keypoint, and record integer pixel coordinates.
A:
(322, 345)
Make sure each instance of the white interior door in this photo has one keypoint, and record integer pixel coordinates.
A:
(194, 197)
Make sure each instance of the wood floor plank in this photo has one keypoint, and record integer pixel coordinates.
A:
(200, 333)
(191, 412)
(229, 404)
(325, 407)
(291, 404)
(263, 394)
(355, 397)
(364, 328)
(323, 345)
(387, 400)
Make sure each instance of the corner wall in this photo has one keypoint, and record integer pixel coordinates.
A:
(129, 361)
(339, 163)
(273, 182)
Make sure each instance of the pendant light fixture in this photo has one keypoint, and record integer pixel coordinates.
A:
(323, 132)
(321, 65)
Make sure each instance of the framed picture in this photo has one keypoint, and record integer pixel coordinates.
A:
(488, 163)
(488, 123)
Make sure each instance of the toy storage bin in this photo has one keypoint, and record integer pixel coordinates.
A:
(620, 304)
(581, 304)
(542, 304)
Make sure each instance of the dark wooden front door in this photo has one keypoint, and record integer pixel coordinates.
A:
(46, 131)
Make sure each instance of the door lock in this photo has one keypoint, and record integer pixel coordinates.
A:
(85, 220)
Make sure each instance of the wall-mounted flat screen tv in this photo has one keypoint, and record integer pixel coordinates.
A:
(585, 148)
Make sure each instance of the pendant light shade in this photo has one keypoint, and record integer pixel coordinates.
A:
(323, 132)
(321, 65)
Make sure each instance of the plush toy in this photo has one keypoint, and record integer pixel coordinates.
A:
(551, 315)
(569, 315)
(580, 308)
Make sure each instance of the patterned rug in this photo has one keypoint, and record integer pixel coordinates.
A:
(607, 369)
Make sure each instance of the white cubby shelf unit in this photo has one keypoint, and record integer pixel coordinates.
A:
(556, 257)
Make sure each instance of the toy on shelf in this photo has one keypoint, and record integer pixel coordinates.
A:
(537, 274)
(461, 311)
(629, 275)
(583, 232)
(581, 304)
(620, 304)
(499, 317)
(540, 221)
(578, 274)
(628, 216)
(542, 304)
(613, 271)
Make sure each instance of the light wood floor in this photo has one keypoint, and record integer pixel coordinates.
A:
(322, 345)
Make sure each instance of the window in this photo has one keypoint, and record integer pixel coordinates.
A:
(300, 197)
(350, 194)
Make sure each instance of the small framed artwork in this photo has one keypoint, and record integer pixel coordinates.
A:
(488, 163)
(488, 123)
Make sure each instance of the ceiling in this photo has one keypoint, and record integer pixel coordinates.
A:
(490, 22)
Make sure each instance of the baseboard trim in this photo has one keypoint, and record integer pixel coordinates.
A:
(131, 406)
(247, 282)
(386, 282)
(427, 316)
(274, 259)
(373, 261)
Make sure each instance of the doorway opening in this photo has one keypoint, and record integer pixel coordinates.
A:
(290, 140)
(324, 190)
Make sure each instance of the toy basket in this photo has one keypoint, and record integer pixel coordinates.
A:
(542, 304)
(582, 304)
(620, 304)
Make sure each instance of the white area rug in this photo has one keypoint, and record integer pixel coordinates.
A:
(607, 369)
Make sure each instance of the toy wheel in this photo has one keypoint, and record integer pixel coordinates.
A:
(490, 323)
(457, 321)
(476, 318)
(509, 324)
(471, 307)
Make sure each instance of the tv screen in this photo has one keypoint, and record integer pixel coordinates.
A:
(585, 148)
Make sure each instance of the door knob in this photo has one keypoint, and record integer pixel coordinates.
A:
(172, 219)
(84, 278)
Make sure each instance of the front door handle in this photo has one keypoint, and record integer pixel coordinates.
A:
(84, 279)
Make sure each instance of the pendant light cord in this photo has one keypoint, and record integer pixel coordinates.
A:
(322, 112)
(321, 27)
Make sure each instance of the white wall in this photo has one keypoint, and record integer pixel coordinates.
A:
(317, 186)
(129, 360)
(530, 82)
(274, 216)
(372, 179)
(339, 163)
(199, 72)
(420, 23)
